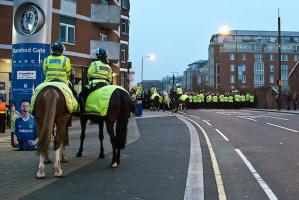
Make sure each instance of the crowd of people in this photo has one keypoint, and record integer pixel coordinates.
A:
(200, 99)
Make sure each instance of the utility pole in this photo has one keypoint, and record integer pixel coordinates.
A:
(279, 82)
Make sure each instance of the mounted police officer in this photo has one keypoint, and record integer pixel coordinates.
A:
(153, 89)
(99, 74)
(57, 67)
(179, 91)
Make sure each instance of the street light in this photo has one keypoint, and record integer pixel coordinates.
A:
(150, 57)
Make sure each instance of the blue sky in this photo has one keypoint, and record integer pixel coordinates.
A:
(178, 32)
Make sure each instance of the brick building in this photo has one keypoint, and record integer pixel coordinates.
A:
(84, 26)
(249, 59)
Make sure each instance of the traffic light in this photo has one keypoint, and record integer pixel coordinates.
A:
(279, 82)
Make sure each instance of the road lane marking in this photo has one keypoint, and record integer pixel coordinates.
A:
(275, 117)
(195, 182)
(283, 127)
(194, 116)
(259, 179)
(218, 178)
(247, 118)
(225, 138)
(206, 121)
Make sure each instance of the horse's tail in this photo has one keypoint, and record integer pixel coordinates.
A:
(122, 120)
(44, 137)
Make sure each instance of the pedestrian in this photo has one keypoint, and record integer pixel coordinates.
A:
(13, 116)
(25, 129)
(289, 101)
(295, 100)
(2, 115)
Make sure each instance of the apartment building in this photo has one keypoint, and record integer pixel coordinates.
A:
(84, 26)
(196, 76)
(249, 59)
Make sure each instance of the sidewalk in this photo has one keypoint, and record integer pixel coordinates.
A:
(274, 110)
(18, 168)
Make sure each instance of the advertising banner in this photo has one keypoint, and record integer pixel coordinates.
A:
(32, 21)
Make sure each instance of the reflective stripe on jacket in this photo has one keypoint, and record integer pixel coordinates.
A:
(57, 67)
(99, 71)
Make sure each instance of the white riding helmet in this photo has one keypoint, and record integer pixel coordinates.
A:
(178, 85)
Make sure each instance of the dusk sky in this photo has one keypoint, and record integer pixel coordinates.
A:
(178, 32)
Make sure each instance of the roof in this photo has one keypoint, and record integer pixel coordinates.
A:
(198, 62)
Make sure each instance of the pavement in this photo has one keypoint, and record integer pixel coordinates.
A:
(18, 168)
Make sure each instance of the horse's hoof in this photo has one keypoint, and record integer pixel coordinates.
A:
(41, 173)
(58, 172)
(79, 154)
(47, 161)
(114, 165)
(40, 177)
(101, 155)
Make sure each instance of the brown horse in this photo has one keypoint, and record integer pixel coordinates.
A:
(119, 112)
(50, 109)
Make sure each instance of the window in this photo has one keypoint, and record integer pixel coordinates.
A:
(271, 57)
(232, 79)
(123, 54)
(284, 57)
(243, 56)
(67, 30)
(125, 4)
(258, 57)
(231, 56)
(124, 26)
(259, 74)
(296, 57)
(103, 37)
(232, 67)
(271, 79)
(271, 68)
(241, 73)
(284, 75)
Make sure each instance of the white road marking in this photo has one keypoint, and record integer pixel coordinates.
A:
(195, 182)
(247, 118)
(195, 116)
(275, 117)
(259, 179)
(225, 138)
(283, 127)
(206, 121)
(152, 116)
(218, 178)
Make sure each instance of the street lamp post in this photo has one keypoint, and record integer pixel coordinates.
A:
(151, 57)
(236, 59)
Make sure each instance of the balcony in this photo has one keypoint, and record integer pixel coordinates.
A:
(107, 16)
(113, 48)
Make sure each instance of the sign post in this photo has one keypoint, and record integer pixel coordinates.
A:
(31, 40)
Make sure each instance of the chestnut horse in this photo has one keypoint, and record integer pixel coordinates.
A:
(50, 109)
(119, 112)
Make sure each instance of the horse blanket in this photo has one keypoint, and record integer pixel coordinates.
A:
(70, 100)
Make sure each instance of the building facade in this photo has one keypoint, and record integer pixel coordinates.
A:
(196, 76)
(249, 59)
(84, 26)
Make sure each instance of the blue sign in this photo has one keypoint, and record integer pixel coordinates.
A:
(27, 72)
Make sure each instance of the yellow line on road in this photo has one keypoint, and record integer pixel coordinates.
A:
(218, 178)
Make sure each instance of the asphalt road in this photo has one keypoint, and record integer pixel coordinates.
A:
(205, 154)
(267, 141)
